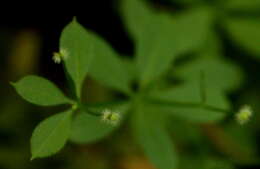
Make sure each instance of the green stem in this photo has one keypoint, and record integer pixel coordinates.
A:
(186, 104)
(88, 107)
(103, 104)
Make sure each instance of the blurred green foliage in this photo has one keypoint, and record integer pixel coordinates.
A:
(178, 117)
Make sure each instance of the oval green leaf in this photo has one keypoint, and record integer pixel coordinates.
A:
(50, 135)
(40, 91)
(77, 43)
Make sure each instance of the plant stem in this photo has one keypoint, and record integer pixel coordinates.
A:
(186, 104)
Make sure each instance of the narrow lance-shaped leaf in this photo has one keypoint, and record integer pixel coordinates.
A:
(40, 91)
(161, 37)
(50, 135)
(107, 67)
(185, 102)
(77, 44)
(151, 134)
(220, 74)
(133, 9)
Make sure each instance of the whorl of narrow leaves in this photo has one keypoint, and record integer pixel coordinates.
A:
(50, 135)
(78, 44)
(40, 91)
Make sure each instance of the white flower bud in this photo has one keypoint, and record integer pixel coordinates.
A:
(110, 117)
(60, 56)
(244, 114)
(56, 57)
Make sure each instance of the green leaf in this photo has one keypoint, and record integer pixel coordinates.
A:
(194, 114)
(185, 102)
(131, 69)
(88, 128)
(160, 37)
(246, 33)
(219, 74)
(186, 93)
(50, 135)
(107, 67)
(213, 46)
(150, 132)
(40, 91)
(191, 30)
(190, 93)
(132, 9)
(242, 5)
(77, 42)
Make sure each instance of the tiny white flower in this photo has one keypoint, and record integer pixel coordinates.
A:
(56, 57)
(60, 56)
(244, 114)
(110, 117)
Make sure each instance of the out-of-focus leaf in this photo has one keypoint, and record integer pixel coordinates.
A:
(150, 132)
(78, 46)
(213, 46)
(242, 5)
(191, 30)
(107, 67)
(193, 114)
(219, 74)
(155, 48)
(190, 93)
(246, 33)
(160, 37)
(40, 91)
(186, 93)
(217, 98)
(136, 15)
(131, 69)
(183, 102)
(50, 135)
(87, 128)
